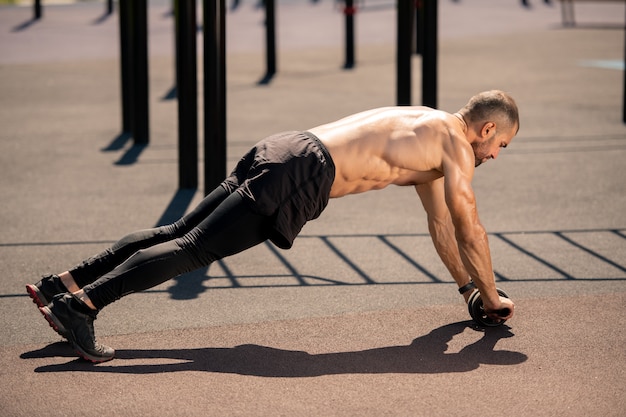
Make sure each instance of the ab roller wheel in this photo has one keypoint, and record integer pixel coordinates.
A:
(476, 310)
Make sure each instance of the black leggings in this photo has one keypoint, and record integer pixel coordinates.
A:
(221, 225)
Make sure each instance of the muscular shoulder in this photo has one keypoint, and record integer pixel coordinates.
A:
(439, 131)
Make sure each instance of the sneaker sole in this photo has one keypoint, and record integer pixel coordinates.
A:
(36, 295)
(90, 358)
(60, 329)
(54, 322)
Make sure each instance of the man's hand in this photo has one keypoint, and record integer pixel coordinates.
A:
(502, 311)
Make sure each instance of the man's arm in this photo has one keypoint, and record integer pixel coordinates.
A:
(442, 231)
(458, 169)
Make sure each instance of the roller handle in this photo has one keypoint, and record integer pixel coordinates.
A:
(503, 312)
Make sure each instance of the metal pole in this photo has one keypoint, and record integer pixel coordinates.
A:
(349, 11)
(270, 41)
(214, 16)
(37, 10)
(624, 71)
(403, 65)
(419, 27)
(187, 89)
(126, 58)
(429, 56)
(109, 7)
(139, 19)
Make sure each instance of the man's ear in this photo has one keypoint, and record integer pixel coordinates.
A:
(488, 127)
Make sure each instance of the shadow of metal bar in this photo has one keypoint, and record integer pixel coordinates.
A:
(590, 252)
(406, 257)
(500, 277)
(229, 274)
(118, 142)
(347, 260)
(294, 272)
(131, 155)
(619, 233)
(532, 255)
(24, 26)
(177, 206)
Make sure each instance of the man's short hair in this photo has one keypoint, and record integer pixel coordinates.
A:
(490, 105)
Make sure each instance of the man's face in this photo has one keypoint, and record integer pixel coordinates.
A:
(490, 147)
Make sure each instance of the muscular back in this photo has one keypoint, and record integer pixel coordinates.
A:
(390, 145)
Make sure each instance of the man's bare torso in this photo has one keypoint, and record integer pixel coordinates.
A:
(390, 145)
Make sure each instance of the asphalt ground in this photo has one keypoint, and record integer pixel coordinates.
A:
(359, 317)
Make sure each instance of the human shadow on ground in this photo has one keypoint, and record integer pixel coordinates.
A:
(425, 355)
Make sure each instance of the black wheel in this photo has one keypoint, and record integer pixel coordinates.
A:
(476, 310)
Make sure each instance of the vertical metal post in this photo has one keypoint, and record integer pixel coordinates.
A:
(349, 11)
(109, 9)
(214, 17)
(429, 56)
(419, 27)
(126, 59)
(624, 71)
(139, 19)
(187, 89)
(403, 55)
(37, 10)
(270, 41)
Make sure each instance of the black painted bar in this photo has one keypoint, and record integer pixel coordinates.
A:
(37, 11)
(403, 54)
(214, 17)
(139, 20)
(429, 56)
(270, 41)
(419, 27)
(624, 71)
(187, 89)
(109, 7)
(349, 11)
(126, 59)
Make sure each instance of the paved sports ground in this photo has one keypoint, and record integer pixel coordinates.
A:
(360, 317)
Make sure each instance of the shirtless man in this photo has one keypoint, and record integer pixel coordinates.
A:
(287, 180)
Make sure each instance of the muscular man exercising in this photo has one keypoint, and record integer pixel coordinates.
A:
(286, 180)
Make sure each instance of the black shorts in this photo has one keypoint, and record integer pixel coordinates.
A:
(287, 176)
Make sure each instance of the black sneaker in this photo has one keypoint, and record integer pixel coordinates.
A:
(44, 291)
(77, 327)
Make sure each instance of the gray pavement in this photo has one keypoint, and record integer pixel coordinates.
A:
(360, 317)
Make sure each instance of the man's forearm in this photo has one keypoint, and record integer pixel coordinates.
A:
(476, 258)
(442, 234)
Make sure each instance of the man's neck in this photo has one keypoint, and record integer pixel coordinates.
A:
(463, 122)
